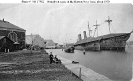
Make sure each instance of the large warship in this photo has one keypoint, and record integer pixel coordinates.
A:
(111, 41)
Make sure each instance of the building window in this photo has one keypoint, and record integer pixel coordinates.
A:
(13, 36)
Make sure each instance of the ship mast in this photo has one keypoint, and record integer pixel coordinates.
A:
(108, 23)
(89, 30)
(96, 28)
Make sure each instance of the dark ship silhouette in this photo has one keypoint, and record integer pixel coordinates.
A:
(112, 41)
(69, 48)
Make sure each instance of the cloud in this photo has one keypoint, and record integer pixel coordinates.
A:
(52, 20)
(49, 13)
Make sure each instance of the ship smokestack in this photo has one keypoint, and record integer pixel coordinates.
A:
(85, 36)
(79, 37)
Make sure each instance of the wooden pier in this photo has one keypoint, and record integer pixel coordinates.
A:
(82, 72)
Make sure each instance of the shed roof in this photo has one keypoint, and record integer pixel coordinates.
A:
(1, 37)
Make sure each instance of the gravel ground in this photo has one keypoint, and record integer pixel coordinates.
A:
(29, 65)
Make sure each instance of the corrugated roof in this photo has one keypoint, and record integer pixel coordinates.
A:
(91, 39)
(8, 25)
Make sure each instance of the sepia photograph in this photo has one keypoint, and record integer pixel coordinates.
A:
(66, 41)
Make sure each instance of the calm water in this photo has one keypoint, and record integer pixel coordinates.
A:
(114, 65)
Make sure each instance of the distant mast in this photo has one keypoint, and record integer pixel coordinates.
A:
(96, 28)
(89, 30)
(108, 23)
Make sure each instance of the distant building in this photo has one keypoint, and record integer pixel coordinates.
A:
(36, 40)
(13, 32)
(60, 46)
(50, 44)
(69, 44)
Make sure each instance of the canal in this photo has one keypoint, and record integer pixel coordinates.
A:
(114, 65)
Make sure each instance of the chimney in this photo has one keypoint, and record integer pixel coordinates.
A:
(79, 37)
(84, 34)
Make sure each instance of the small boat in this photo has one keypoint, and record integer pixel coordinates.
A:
(69, 49)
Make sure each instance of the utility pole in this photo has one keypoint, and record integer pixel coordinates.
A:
(96, 28)
(108, 23)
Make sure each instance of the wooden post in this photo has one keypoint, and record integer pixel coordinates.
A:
(71, 73)
(132, 71)
(80, 73)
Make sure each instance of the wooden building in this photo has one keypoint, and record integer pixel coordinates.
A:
(14, 33)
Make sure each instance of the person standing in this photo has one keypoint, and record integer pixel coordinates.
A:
(51, 57)
(84, 51)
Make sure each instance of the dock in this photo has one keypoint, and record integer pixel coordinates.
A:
(81, 71)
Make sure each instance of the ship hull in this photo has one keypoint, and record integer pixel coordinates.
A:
(117, 42)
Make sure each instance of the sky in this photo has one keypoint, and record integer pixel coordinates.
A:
(63, 22)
